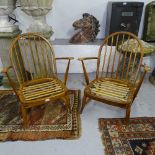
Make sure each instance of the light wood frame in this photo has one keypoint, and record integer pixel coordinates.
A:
(34, 65)
(121, 80)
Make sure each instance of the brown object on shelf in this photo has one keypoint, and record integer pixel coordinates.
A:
(116, 83)
(34, 64)
(89, 26)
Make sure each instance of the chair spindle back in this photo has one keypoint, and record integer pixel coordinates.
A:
(120, 57)
(32, 57)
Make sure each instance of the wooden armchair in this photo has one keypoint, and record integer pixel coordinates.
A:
(119, 72)
(34, 64)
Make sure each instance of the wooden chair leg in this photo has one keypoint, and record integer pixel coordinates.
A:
(25, 116)
(66, 100)
(84, 102)
(128, 110)
(68, 103)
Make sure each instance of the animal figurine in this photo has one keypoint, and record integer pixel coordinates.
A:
(89, 28)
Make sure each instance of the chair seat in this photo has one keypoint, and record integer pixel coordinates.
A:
(41, 90)
(109, 90)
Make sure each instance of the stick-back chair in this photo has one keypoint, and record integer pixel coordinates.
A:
(119, 72)
(35, 81)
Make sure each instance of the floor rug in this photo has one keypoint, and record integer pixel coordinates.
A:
(136, 138)
(49, 121)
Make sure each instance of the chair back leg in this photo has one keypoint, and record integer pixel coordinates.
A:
(25, 116)
(66, 100)
(128, 110)
(84, 102)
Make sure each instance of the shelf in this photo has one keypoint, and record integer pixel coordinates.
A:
(66, 42)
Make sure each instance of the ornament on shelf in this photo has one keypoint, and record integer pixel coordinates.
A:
(89, 28)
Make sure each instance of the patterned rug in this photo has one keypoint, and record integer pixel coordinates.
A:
(137, 138)
(48, 121)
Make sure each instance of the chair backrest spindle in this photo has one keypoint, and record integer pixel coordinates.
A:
(120, 57)
(32, 57)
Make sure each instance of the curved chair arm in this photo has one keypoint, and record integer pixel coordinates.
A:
(68, 65)
(84, 68)
(146, 70)
(6, 72)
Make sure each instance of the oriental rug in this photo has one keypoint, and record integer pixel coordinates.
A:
(49, 121)
(136, 138)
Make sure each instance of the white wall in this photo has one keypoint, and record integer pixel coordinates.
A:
(65, 12)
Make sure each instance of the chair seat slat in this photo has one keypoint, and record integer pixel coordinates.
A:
(40, 90)
(38, 85)
(110, 96)
(110, 89)
(37, 96)
(112, 85)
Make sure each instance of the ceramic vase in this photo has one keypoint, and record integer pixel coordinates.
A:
(38, 10)
(6, 8)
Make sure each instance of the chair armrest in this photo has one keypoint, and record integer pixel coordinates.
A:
(67, 68)
(84, 68)
(87, 58)
(65, 58)
(5, 70)
(146, 68)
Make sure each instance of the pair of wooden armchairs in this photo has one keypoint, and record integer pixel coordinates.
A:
(117, 78)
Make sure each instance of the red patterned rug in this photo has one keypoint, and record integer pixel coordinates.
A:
(48, 121)
(136, 138)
